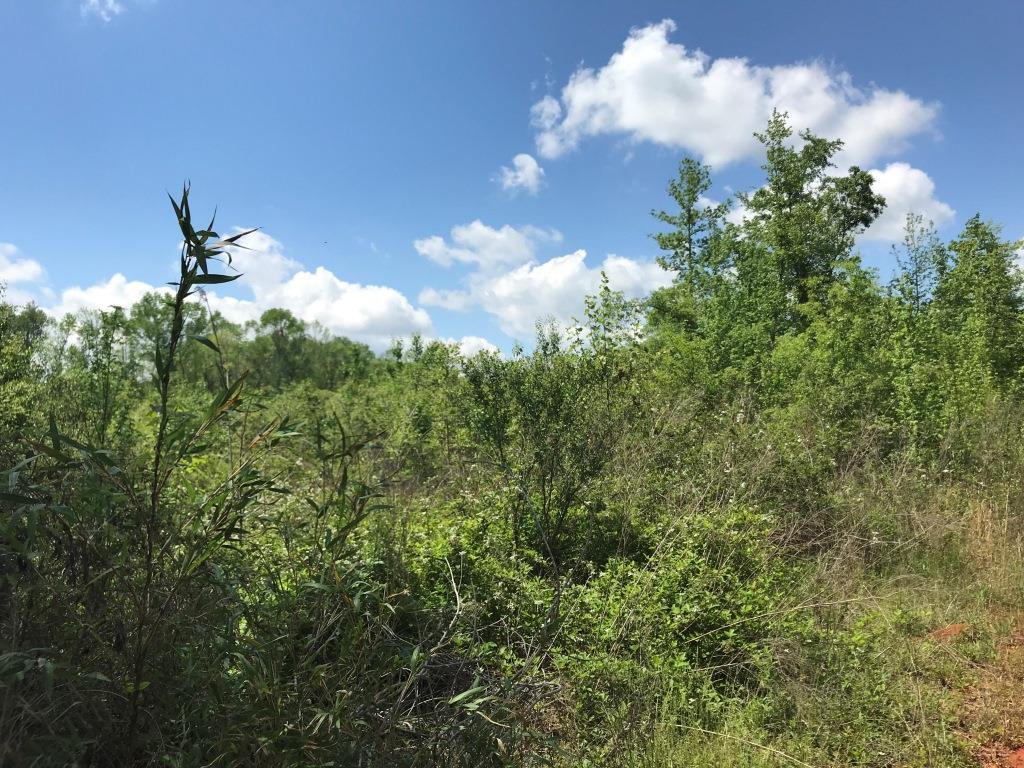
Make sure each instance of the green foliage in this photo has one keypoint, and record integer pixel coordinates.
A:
(715, 527)
(686, 246)
(695, 621)
(21, 334)
(803, 221)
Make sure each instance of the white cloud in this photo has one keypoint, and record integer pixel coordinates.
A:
(117, 291)
(262, 262)
(906, 190)
(18, 273)
(657, 91)
(472, 345)
(486, 247)
(634, 278)
(445, 298)
(373, 314)
(737, 213)
(525, 173)
(102, 9)
(522, 290)
(557, 288)
(17, 269)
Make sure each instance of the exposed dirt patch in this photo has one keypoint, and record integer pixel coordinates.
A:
(997, 757)
(950, 631)
(994, 709)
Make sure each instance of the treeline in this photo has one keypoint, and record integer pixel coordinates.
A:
(712, 527)
(780, 306)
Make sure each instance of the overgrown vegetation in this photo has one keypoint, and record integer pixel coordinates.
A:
(716, 527)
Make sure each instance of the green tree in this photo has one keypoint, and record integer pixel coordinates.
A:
(763, 277)
(278, 353)
(804, 219)
(21, 336)
(685, 246)
(979, 300)
(915, 336)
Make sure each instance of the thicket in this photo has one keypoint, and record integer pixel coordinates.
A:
(713, 527)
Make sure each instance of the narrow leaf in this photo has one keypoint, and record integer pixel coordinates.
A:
(214, 279)
(206, 343)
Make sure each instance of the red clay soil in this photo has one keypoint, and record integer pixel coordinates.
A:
(951, 631)
(994, 757)
(994, 711)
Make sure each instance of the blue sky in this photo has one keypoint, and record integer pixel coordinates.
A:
(368, 141)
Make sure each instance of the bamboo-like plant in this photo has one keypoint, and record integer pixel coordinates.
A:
(104, 527)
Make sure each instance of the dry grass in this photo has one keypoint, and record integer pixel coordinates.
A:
(993, 713)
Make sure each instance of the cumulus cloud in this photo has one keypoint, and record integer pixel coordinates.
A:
(473, 345)
(117, 291)
(556, 288)
(486, 247)
(15, 268)
(657, 91)
(17, 273)
(102, 9)
(445, 298)
(519, 289)
(525, 173)
(374, 314)
(262, 262)
(906, 190)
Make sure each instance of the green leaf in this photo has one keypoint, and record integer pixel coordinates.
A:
(177, 210)
(214, 279)
(233, 240)
(466, 694)
(316, 585)
(54, 434)
(206, 343)
(159, 362)
(130, 688)
(15, 498)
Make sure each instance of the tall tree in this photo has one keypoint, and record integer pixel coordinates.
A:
(699, 219)
(805, 217)
(979, 300)
(922, 261)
